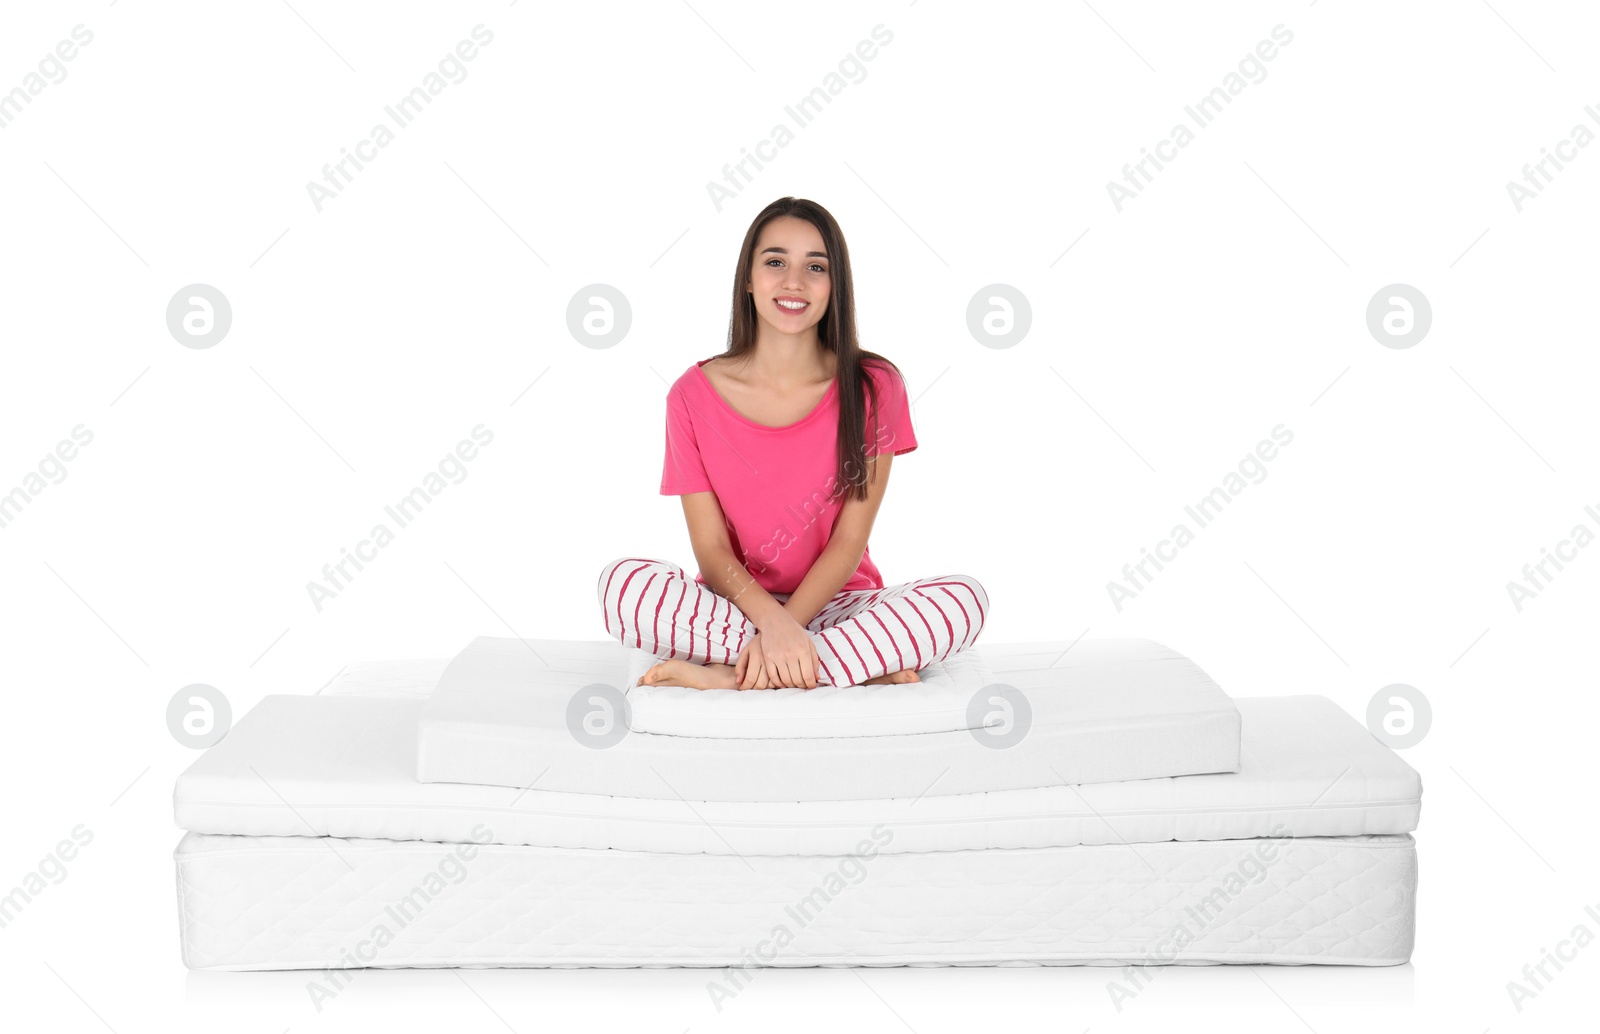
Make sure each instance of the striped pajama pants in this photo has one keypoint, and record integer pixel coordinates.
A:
(657, 606)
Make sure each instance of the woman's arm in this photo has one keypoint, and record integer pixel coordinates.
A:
(790, 658)
(848, 543)
(724, 573)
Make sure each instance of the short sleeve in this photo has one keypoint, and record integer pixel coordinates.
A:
(895, 433)
(683, 471)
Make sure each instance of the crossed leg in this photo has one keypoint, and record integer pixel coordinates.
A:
(861, 635)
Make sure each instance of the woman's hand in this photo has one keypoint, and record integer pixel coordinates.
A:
(750, 670)
(782, 655)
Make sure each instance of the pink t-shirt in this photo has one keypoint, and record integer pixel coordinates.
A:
(774, 483)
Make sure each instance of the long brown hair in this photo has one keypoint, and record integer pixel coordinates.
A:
(836, 330)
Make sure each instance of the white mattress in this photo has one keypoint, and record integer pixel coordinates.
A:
(1099, 711)
(939, 702)
(319, 903)
(400, 678)
(343, 766)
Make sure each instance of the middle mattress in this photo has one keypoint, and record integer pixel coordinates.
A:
(565, 715)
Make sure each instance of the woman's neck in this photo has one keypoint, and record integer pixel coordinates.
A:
(790, 359)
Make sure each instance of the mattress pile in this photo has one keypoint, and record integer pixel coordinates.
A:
(525, 804)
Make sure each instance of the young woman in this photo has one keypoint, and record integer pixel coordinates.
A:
(780, 448)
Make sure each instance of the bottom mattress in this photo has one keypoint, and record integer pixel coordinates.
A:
(330, 903)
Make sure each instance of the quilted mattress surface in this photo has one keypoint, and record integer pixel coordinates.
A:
(513, 712)
(343, 765)
(321, 903)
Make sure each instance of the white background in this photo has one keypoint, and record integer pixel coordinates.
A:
(1167, 340)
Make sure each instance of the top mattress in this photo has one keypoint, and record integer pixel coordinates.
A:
(564, 715)
(342, 766)
(940, 702)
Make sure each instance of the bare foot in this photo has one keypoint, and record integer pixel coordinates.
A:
(894, 677)
(691, 675)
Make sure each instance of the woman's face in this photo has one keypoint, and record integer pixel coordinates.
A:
(790, 266)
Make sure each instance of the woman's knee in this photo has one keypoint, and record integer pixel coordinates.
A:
(970, 584)
(625, 576)
(608, 576)
(980, 598)
(616, 576)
